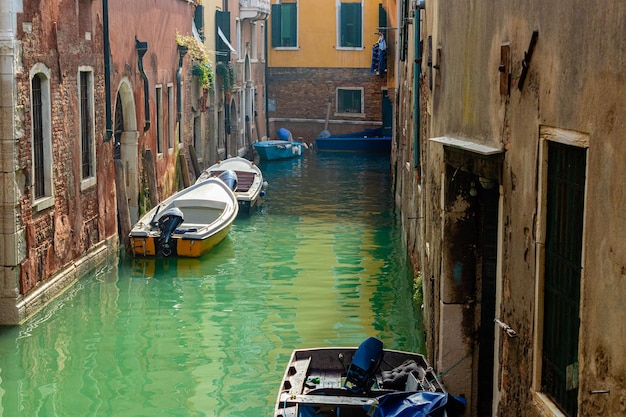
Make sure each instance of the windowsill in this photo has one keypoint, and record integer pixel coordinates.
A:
(355, 115)
(160, 155)
(349, 48)
(87, 183)
(287, 48)
(545, 406)
(43, 203)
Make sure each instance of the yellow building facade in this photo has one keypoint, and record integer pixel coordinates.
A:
(324, 51)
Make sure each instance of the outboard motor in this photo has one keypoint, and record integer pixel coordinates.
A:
(230, 178)
(167, 224)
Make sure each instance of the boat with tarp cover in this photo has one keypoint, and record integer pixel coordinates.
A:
(362, 381)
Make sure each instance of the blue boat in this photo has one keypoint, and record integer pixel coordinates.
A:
(369, 140)
(270, 150)
(283, 148)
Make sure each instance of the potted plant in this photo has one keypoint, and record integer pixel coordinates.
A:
(201, 65)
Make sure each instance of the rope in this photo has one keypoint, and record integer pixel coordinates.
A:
(454, 366)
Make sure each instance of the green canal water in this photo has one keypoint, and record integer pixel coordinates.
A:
(320, 264)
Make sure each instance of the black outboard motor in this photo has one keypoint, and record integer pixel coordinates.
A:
(230, 178)
(167, 224)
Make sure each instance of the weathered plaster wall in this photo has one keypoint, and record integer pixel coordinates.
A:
(575, 83)
(156, 23)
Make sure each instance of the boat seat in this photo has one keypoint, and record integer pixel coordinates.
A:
(364, 365)
(193, 202)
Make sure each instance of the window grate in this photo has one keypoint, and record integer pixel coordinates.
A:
(563, 268)
(86, 127)
(38, 148)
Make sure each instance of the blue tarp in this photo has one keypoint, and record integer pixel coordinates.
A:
(417, 404)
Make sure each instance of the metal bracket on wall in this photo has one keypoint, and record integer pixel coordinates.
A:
(526, 61)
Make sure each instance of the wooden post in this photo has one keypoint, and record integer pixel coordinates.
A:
(123, 212)
(194, 161)
(148, 164)
(184, 170)
(330, 102)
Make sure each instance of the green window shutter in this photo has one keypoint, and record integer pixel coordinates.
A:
(222, 21)
(276, 25)
(351, 25)
(198, 19)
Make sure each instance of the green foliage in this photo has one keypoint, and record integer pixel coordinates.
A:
(418, 292)
(144, 196)
(202, 66)
(227, 74)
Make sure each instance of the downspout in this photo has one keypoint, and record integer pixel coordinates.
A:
(107, 71)
(182, 51)
(267, 100)
(419, 5)
(142, 48)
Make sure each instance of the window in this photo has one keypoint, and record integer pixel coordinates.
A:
(350, 25)
(41, 138)
(159, 118)
(285, 25)
(350, 100)
(38, 138)
(87, 146)
(171, 114)
(562, 273)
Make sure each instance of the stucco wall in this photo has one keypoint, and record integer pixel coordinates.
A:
(575, 83)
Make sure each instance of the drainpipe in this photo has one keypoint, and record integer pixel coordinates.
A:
(419, 5)
(182, 51)
(107, 71)
(267, 100)
(142, 48)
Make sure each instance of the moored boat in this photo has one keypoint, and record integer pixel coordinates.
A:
(271, 150)
(369, 140)
(361, 382)
(250, 184)
(282, 148)
(189, 223)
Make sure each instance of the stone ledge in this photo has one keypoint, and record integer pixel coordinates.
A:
(18, 310)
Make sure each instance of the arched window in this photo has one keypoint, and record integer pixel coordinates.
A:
(41, 137)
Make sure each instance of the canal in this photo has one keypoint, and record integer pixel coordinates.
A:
(321, 263)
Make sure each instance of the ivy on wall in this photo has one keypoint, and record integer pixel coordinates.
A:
(227, 74)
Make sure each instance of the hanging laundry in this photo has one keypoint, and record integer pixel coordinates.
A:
(379, 56)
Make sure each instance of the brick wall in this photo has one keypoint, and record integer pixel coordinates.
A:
(303, 94)
(66, 231)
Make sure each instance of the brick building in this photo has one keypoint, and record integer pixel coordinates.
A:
(57, 205)
(67, 113)
(320, 68)
(235, 33)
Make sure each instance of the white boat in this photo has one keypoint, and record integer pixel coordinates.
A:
(361, 382)
(189, 223)
(250, 184)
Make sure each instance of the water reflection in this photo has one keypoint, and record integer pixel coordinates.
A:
(320, 264)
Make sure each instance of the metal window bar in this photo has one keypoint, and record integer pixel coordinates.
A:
(86, 125)
(38, 151)
(563, 268)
